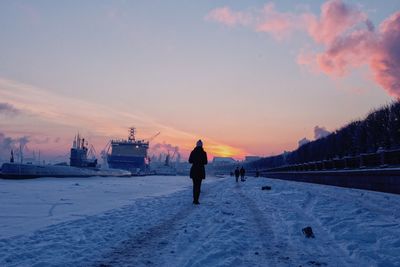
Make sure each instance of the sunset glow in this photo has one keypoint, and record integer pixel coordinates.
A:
(248, 78)
(225, 151)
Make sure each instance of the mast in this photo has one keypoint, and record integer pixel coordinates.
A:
(131, 136)
(20, 153)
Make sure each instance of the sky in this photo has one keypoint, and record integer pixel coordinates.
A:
(246, 77)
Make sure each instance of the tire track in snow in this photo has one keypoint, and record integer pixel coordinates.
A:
(212, 237)
(273, 250)
(145, 248)
(141, 250)
(238, 233)
(216, 233)
(292, 216)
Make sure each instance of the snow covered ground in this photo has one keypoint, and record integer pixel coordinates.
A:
(27, 205)
(150, 221)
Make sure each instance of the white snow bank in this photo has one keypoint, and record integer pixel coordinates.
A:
(235, 225)
(27, 205)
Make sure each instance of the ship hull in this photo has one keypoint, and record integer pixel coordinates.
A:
(28, 171)
(129, 163)
(129, 154)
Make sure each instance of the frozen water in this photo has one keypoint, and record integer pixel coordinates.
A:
(150, 221)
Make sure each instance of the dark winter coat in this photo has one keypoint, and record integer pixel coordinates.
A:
(242, 172)
(198, 158)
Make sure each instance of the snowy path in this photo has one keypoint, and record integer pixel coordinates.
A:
(235, 225)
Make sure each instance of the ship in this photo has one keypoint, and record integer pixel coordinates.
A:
(81, 155)
(82, 164)
(165, 168)
(129, 154)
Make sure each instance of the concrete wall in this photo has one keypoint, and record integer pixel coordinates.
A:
(383, 180)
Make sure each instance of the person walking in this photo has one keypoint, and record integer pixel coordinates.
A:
(237, 173)
(198, 158)
(242, 173)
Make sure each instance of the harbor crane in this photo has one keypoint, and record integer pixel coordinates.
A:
(153, 137)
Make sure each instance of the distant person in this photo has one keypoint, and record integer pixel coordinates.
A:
(198, 158)
(242, 173)
(257, 173)
(231, 174)
(237, 173)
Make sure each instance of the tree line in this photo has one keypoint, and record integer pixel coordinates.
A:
(379, 129)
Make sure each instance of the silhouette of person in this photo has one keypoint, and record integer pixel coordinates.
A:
(242, 173)
(237, 173)
(198, 158)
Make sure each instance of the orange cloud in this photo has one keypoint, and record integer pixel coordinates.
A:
(219, 150)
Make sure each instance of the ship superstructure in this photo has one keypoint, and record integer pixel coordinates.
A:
(130, 154)
(80, 153)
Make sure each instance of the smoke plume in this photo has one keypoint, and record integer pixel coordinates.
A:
(8, 109)
(320, 132)
(303, 141)
(8, 143)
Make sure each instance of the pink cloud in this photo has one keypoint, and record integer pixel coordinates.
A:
(336, 19)
(268, 19)
(358, 44)
(385, 62)
(345, 37)
(347, 52)
(279, 24)
(227, 16)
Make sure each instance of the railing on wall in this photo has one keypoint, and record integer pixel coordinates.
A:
(381, 159)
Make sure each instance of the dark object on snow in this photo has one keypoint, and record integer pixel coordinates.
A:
(198, 158)
(237, 173)
(242, 173)
(267, 187)
(308, 232)
(317, 263)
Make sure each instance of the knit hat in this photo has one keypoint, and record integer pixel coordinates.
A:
(199, 143)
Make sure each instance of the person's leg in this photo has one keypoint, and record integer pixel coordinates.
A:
(194, 190)
(197, 185)
(199, 189)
